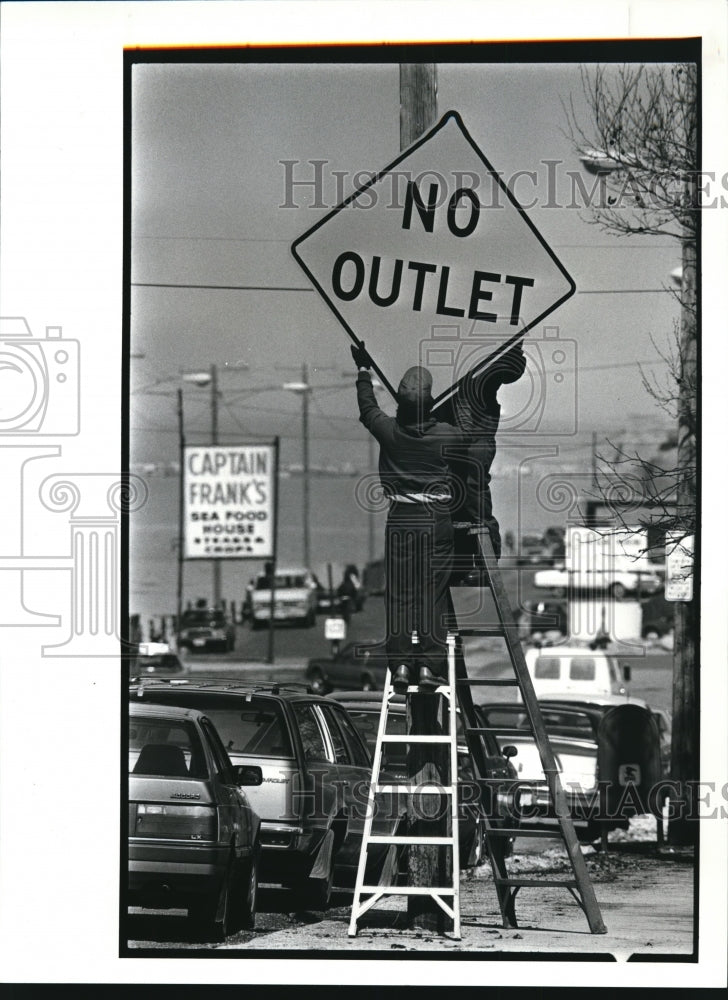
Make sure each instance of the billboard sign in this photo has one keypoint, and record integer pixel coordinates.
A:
(229, 501)
(434, 262)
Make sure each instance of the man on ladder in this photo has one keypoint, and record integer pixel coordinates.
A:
(419, 538)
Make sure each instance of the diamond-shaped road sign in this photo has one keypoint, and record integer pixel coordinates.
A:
(434, 262)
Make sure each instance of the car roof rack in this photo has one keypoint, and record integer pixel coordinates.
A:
(227, 683)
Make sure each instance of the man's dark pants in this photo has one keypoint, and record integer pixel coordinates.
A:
(419, 559)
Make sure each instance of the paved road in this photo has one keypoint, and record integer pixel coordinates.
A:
(293, 645)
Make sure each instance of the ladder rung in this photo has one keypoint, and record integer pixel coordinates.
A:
(415, 739)
(501, 831)
(443, 688)
(426, 788)
(487, 682)
(522, 882)
(410, 840)
(409, 890)
(496, 630)
(511, 783)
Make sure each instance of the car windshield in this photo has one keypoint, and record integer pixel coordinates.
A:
(367, 722)
(203, 618)
(167, 748)
(284, 581)
(254, 726)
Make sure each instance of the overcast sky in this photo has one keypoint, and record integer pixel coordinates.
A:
(209, 143)
(208, 183)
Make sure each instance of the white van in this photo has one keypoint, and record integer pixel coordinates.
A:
(574, 670)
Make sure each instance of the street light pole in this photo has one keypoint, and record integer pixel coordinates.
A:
(306, 469)
(371, 525)
(216, 564)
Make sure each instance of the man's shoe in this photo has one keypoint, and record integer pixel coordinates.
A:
(430, 681)
(401, 679)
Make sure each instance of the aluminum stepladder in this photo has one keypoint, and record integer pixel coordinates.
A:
(374, 893)
(506, 886)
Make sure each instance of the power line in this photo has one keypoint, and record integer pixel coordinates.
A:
(217, 288)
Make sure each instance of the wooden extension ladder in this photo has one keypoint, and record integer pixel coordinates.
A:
(367, 896)
(497, 837)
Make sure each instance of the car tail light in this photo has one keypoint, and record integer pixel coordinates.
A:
(176, 822)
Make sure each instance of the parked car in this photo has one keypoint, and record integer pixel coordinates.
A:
(617, 583)
(581, 670)
(542, 618)
(574, 728)
(205, 628)
(155, 658)
(359, 666)
(364, 708)
(599, 704)
(194, 839)
(533, 549)
(316, 772)
(295, 598)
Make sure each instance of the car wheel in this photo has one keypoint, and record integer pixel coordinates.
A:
(256, 624)
(310, 620)
(618, 591)
(212, 914)
(248, 886)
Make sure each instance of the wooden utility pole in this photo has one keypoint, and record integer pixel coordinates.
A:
(425, 716)
(685, 757)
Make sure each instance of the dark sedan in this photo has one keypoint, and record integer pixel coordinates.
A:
(359, 666)
(364, 709)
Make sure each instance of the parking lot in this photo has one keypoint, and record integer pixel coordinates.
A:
(633, 874)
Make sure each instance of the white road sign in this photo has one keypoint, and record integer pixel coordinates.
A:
(434, 262)
(678, 566)
(229, 501)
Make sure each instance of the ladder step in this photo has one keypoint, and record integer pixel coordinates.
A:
(523, 882)
(410, 890)
(416, 689)
(411, 840)
(425, 789)
(496, 630)
(488, 682)
(501, 831)
(511, 783)
(415, 739)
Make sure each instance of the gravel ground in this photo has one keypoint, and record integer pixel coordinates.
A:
(645, 897)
